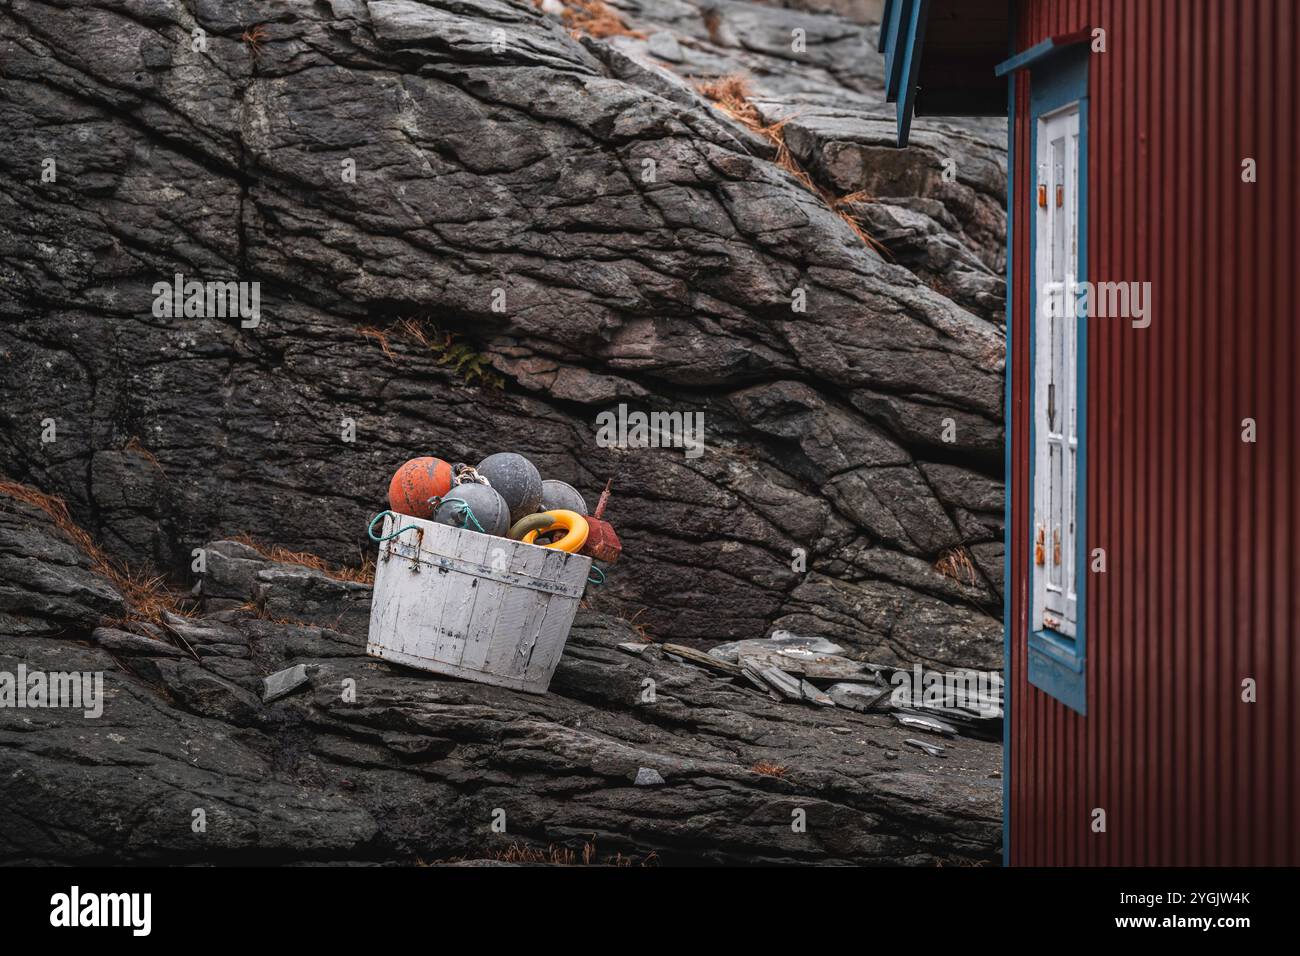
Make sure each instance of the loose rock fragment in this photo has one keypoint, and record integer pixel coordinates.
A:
(648, 777)
(284, 682)
(934, 750)
(929, 724)
(861, 697)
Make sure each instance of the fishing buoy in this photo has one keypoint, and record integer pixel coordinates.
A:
(475, 507)
(533, 522)
(573, 524)
(415, 483)
(516, 479)
(561, 494)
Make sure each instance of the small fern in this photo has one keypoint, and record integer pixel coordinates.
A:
(452, 350)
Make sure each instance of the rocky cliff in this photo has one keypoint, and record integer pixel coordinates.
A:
(476, 224)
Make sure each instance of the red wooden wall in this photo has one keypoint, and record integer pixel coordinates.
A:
(1200, 529)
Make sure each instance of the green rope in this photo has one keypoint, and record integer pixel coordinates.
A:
(596, 570)
(377, 518)
(465, 511)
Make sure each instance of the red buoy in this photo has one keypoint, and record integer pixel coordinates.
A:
(415, 483)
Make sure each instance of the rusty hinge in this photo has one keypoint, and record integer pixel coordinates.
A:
(1038, 548)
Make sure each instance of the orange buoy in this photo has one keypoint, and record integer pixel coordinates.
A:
(415, 483)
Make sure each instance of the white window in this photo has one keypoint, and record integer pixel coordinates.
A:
(1055, 437)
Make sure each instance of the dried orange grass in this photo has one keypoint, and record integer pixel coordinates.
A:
(362, 575)
(147, 596)
(563, 856)
(956, 564)
(381, 337)
(594, 18)
(255, 37)
(731, 95)
(768, 769)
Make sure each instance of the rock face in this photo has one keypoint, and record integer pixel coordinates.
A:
(197, 758)
(436, 194)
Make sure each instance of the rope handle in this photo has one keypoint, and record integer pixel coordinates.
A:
(376, 519)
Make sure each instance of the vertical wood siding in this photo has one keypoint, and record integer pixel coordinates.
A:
(1200, 529)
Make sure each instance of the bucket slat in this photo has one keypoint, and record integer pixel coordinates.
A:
(517, 608)
(555, 627)
(460, 591)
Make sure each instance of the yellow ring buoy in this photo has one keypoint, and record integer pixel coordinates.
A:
(574, 525)
(533, 522)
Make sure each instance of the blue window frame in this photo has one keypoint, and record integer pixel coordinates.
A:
(1058, 555)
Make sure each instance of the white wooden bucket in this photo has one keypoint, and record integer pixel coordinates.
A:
(473, 605)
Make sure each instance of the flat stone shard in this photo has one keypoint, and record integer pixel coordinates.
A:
(648, 777)
(929, 724)
(934, 750)
(779, 641)
(860, 697)
(285, 682)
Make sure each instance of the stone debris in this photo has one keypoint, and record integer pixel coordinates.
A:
(636, 648)
(780, 640)
(810, 669)
(930, 724)
(285, 682)
(690, 655)
(665, 46)
(860, 697)
(789, 687)
(934, 750)
(648, 777)
(812, 693)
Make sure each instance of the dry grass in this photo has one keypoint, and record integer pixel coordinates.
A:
(362, 575)
(594, 18)
(255, 37)
(956, 564)
(563, 856)
(731, 95)
(381, 337)
(639, 628)
(147, 596)
(768, 769)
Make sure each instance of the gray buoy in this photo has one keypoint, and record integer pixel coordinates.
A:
(516, 479)
(489, 508)
(561, 494)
